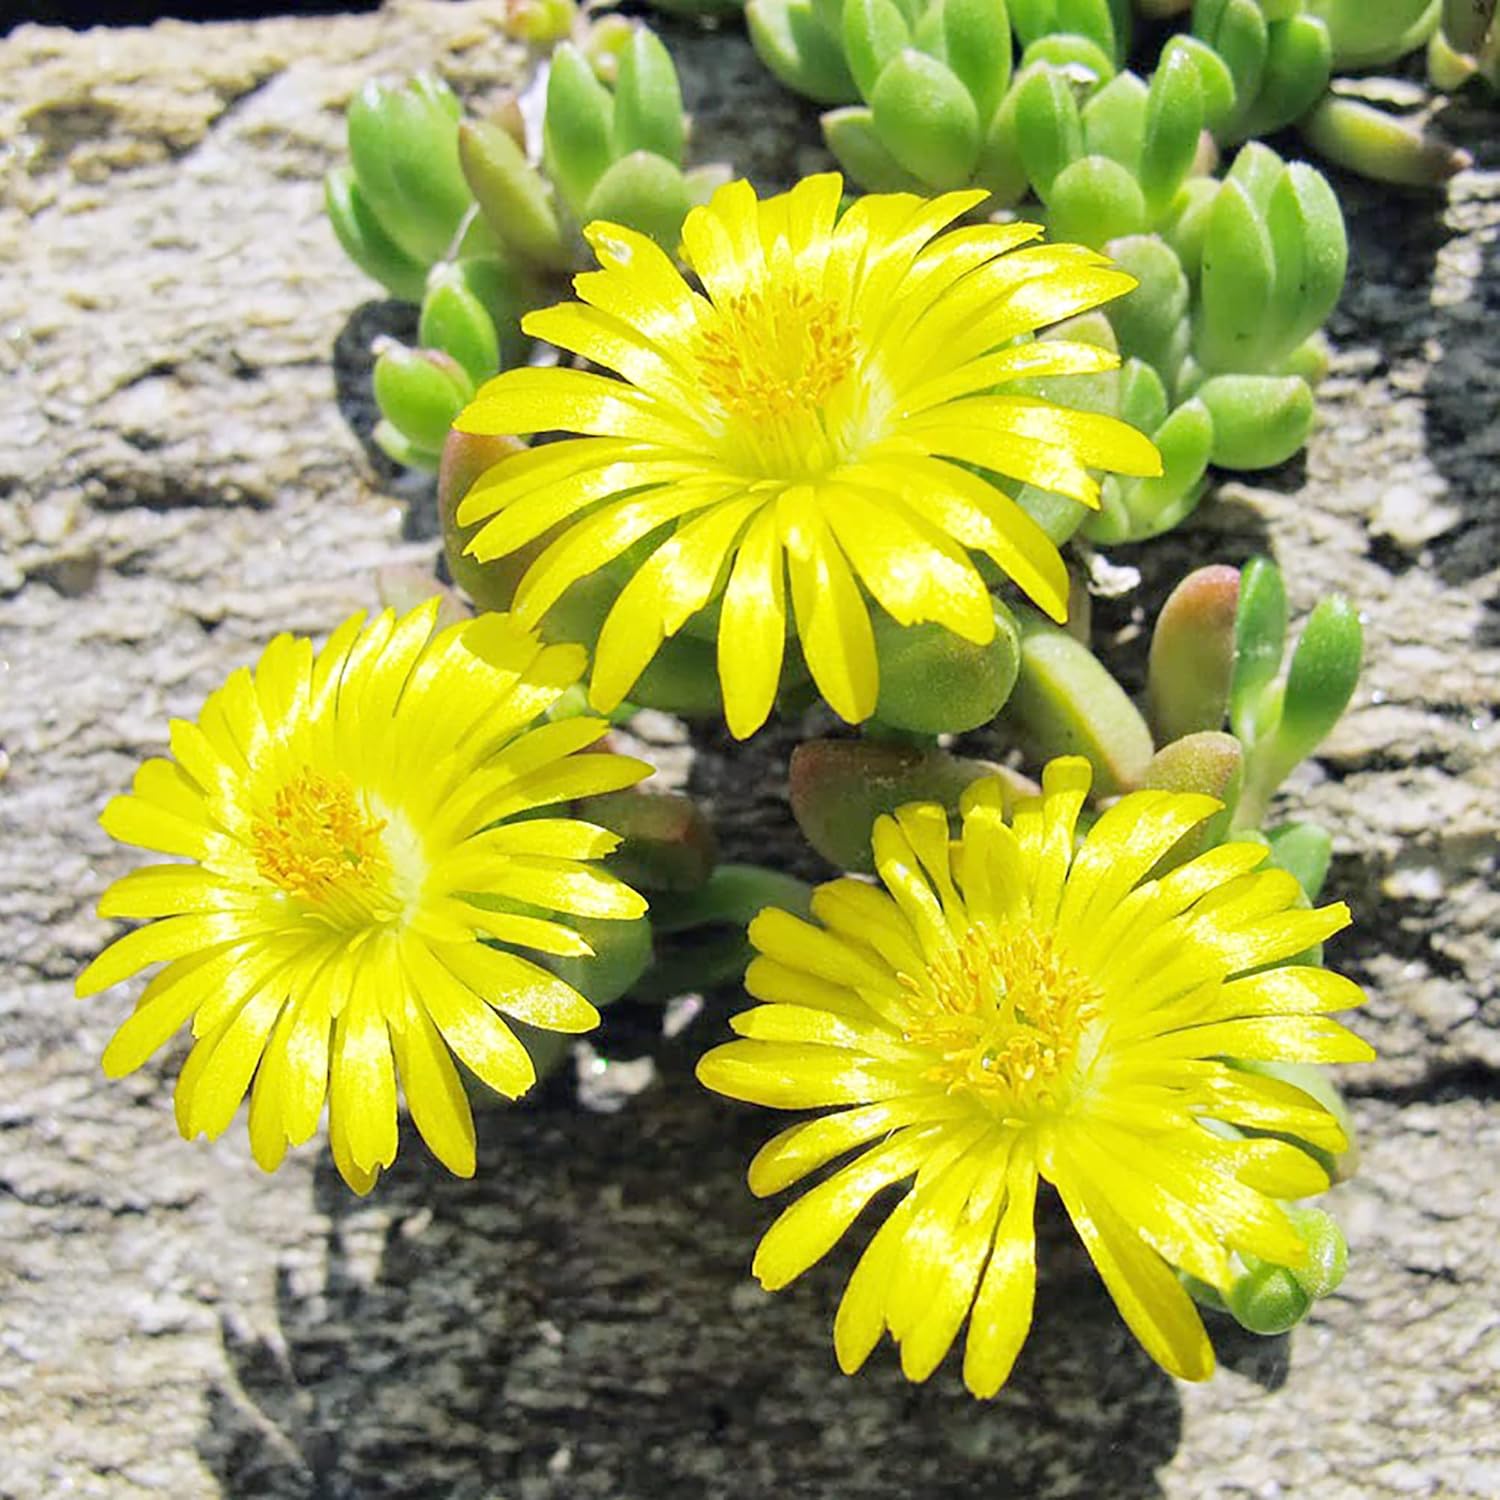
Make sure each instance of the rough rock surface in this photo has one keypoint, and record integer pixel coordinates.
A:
(183, 470)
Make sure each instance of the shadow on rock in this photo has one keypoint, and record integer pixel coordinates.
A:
(579, 1322)
(1462, 395)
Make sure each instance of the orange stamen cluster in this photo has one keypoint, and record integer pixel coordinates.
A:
(1004, 1017)
(316, 840)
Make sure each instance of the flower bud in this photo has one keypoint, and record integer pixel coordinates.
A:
(926, 117)
(1322, 1273)
(648, 101)
(644, 192)
(365, 240)
(1259, 642)
(1066, 703)
(512, 195)
(792, 40)
(1367, 140)
(1320, 680)
(576, 126)
(1266, 1299)
(420, 391)
(1210, 762)
(666, 843)
(839, 787)
(1192, 654)
(934, 682)
(1259, 420)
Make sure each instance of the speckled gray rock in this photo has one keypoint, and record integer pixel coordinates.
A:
(183, 468)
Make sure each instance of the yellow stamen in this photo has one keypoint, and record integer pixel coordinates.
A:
(775, 352)
(1005, 1019)
(317, 842)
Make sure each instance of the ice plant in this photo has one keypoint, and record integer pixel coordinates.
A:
(811, 416)
(359, 828)
(1009, 1010)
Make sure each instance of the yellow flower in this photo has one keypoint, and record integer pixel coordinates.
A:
(1013, 1010)
(359, 824)
(809, 416)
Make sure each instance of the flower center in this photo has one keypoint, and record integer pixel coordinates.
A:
(317, 842)
(772, 359)
(1007, 1020)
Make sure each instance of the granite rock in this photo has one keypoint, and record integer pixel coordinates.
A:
(185, 469)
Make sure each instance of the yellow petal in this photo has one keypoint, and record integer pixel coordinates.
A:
(1150, 1298)
(790, 1156)
(1001, 1317)
(752, 628)
(587, 546)
(801, 1023)
(231, 1063)
(1100, 442)
(944, 1251)
(861, 1316)
(564, 885)
(159, 942)
(1065, 787)
(793, 1075)
(434, 1091)
(911, 567)
(526, 931)
(972, 511)
(481, 1040)
(834, 626)
(811, 1226)
(520, 988)
(531, 400)
(363, 1092)
(676, 582)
